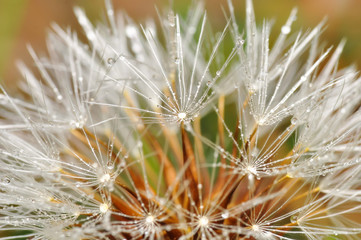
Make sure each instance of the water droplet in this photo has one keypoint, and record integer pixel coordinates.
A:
(251, 181)
(149, 219)
(225, 215)
(103, 208)
(59, 97)
(131, 31)
(294, 218)
(110, 166)
(294, 121)
(203, 221)
(105, 178)
(6, 180)
(182, 115)
(285, 30)
(110, 61)
(110, 12)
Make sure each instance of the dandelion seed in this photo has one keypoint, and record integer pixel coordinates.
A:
(105, 178)
(182, 116)
(103, 208)
(255, 228)
(150, 219)
(203, 221)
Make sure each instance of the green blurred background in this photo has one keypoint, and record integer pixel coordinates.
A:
(27, 21)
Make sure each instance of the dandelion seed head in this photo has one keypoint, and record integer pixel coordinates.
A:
(103, 208)
(105, 178)
(261, 121)
(150, 219)
(255, 228)
(251, 170)
(203, 221)
(182, 116)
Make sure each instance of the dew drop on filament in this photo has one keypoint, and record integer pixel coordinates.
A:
(110, 61)
(294, 218)
(203, 221)
(6, 180)
(225, 215)
(59, 97)
(285, 30)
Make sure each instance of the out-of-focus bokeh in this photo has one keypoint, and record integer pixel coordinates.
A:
(25, 22)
